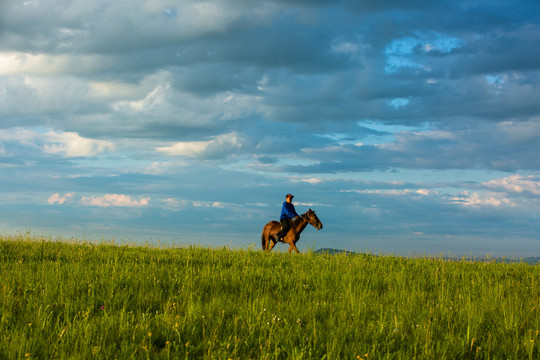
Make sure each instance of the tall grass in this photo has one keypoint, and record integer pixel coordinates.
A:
(74, 299)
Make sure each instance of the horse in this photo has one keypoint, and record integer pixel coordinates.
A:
(297, 226)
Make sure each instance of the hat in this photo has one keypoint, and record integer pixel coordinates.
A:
(289, 196)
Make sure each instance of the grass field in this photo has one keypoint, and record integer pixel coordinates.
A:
(74, 299)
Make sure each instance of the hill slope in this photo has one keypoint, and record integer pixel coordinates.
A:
(106, 301)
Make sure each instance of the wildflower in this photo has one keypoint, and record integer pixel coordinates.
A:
(27, 355)
(102, 307)
(149, 334)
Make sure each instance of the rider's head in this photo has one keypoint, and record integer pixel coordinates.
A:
(289, 197)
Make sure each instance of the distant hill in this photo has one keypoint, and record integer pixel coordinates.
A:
(334, 251)
(532, 260)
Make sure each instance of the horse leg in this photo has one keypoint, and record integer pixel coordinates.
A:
(292, 247)
(269, 245)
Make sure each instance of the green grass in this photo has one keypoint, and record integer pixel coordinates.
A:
(73, 299)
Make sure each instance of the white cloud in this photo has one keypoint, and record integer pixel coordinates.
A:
(208, 204)
(309, 180)
(218, 147)
(114, 91)
(389, 192)
(59, 199)
(345, 47)
(399, 102)
(406, 139)
(427, 192)
(46, 64)
(477, 200)
(162, 168)
(155, 99)
(23, 136)
(70, 144)
(310, 204)
(173, 204)
(119, 200)
(55, 96)
(515, 184)
(168, 99)
(66, 144)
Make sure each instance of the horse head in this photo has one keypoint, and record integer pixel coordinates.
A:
(312, 218)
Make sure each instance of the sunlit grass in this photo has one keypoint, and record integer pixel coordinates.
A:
(74, 299)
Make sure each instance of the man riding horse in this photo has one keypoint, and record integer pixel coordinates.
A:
(292, 225)
(287, 214)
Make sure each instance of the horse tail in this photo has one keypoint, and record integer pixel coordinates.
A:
(263, 242)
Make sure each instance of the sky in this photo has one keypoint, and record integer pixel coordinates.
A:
(409, 127)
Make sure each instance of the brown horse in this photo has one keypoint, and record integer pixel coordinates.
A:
(297, 226)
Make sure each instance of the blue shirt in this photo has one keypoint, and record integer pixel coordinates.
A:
(288, 211)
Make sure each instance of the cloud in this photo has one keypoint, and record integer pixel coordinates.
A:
(483, 200)
(59, 199)
(65, 144)
(70, 144)
(505, 146)
(118, 200)
(164, 167)
(206, 204)
(310, 180)
(110, 27)
(39, 64)
(219, 147)
(515, 184)
(174, 204)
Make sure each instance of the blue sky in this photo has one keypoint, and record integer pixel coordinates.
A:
(409, 127)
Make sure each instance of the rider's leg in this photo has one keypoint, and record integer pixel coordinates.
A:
(285, 226)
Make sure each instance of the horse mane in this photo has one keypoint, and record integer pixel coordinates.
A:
(304, 216)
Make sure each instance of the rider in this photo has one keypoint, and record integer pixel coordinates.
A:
(287, 214)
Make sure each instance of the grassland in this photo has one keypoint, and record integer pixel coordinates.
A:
(73, 299)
